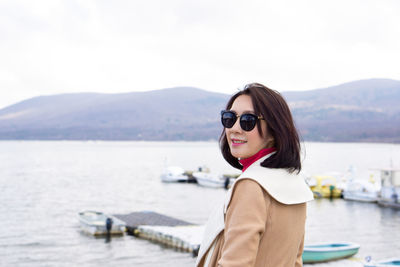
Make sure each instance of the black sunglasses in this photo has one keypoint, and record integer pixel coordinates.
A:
(247, 121)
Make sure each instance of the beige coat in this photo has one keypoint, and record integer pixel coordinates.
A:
(263, 223)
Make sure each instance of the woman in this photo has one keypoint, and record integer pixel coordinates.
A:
(262, 220)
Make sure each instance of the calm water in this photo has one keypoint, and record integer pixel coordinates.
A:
(43, 185)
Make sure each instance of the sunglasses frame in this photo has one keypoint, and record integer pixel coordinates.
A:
(240, 119)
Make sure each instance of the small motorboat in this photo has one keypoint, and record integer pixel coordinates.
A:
(97, 223)
(390, 189)
(384, 263)
(324, 186)
(361, 190)
(174, 174)
(322, 252)
(212, 180)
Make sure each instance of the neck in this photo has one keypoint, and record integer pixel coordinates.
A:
(250, 160)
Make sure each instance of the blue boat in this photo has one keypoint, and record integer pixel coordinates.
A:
(384, 263)
(329, 251)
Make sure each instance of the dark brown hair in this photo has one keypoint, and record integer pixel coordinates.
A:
(280, 125)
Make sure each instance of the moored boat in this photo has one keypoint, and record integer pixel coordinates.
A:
(384, 263)
(322, 252)
(324, 186)
(390, 191)
(361, 190)
(97, 223)
(212, 180)
(174, 174)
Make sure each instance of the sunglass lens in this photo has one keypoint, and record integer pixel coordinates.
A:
(228, 119)
(248, 122)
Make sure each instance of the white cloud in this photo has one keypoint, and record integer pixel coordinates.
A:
(50, 47)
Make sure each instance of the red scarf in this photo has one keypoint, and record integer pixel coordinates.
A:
(263, 152)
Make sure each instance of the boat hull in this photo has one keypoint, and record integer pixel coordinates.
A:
(174, 178)
(94, 223)
(328, 252)
(174, 175)
(360, 196)
(384, 263)
(390, 204)
(212, 180)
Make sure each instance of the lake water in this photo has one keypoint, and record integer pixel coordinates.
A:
(44, 184)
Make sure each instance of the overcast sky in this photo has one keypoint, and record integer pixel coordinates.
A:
(52, 47)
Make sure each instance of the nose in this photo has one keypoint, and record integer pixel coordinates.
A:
(236, 127)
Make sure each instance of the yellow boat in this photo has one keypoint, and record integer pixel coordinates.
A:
(324, 186)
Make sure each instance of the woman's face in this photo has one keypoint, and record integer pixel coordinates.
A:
(245, 144)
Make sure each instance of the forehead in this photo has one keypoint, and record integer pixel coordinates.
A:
(242, 103)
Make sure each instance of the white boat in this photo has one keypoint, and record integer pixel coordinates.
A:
(390, 192)
(361, 190)
(97, 223)
(174, 174)
(383, 263)
(212, 180)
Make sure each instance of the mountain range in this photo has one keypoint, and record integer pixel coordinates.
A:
(359, 111)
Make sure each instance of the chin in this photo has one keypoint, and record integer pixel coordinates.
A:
(236, 153)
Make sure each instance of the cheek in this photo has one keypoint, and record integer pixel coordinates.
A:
(227, 133)
(256, 137)
(258, 141)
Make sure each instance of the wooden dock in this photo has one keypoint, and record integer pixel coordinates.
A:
(164, 229)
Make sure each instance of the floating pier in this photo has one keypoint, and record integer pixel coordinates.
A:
(163, 229)
(169, 231)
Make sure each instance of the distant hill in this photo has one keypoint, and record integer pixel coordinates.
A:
(182, 113)
(365, 110)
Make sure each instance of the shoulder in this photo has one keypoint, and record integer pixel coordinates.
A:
(284, 186)
(248, 188)
(247, 183)
(246, 192)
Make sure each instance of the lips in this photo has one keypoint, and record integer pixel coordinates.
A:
(237, 142)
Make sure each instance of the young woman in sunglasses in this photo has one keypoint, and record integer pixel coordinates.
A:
(262, 220)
